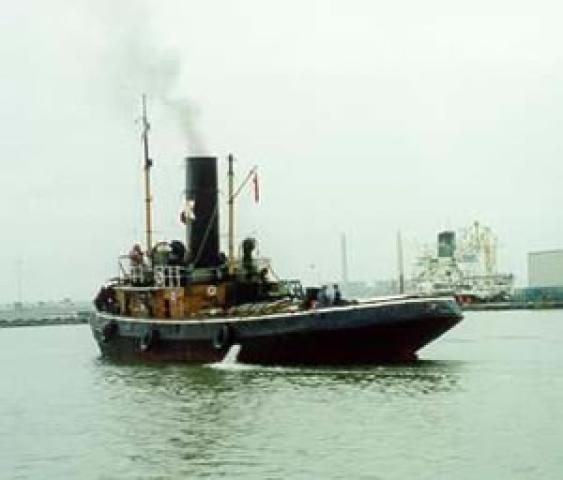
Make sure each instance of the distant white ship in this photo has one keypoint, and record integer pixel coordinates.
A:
(466, 268)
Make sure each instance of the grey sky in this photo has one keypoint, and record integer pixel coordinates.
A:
(363, 116)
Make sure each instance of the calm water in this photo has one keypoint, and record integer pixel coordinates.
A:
(486, 403)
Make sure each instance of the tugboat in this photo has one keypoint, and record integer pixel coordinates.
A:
(188, 302)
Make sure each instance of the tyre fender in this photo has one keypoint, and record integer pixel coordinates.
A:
(109, 331)
(223, 337)
(149, 339)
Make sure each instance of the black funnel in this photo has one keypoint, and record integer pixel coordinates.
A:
(201, 189)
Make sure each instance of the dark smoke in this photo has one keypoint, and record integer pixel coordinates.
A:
(140, 64)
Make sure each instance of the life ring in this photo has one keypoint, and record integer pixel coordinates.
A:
(211, 291)
(149, 340)
(109, 331)
(223, 338)
(159, 278)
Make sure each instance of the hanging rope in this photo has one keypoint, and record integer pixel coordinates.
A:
(206, 234)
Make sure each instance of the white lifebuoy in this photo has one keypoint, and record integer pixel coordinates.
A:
(211, 291)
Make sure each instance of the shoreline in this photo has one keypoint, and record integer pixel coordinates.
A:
(71, 319)
(500, 306)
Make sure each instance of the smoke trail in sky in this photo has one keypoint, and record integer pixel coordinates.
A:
(140, 63)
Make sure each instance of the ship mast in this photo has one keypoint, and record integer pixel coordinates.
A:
(233, 194)
(232, 259)
(147, 169)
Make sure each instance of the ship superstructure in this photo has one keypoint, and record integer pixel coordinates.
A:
(464, 265)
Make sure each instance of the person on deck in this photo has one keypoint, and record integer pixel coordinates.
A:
(322, 297)
(337, 300)
(136, 255)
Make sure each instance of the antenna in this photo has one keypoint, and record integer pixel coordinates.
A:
(400, 262)
(147, 168)
(19, 266)
(344, 260)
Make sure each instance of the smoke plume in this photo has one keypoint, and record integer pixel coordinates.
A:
(141, 64)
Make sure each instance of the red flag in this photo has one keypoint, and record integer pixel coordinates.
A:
(256, 187)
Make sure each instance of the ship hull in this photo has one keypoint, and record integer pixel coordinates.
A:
(375, 332)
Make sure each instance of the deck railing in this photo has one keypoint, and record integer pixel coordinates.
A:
(173, 276)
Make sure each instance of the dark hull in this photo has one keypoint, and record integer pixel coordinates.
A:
(384, 331)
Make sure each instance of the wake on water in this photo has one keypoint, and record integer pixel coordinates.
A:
(232, 355)
(230, 360)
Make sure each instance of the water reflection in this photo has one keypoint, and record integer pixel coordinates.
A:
(72, 415)
(205, 416)
(216, 381)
